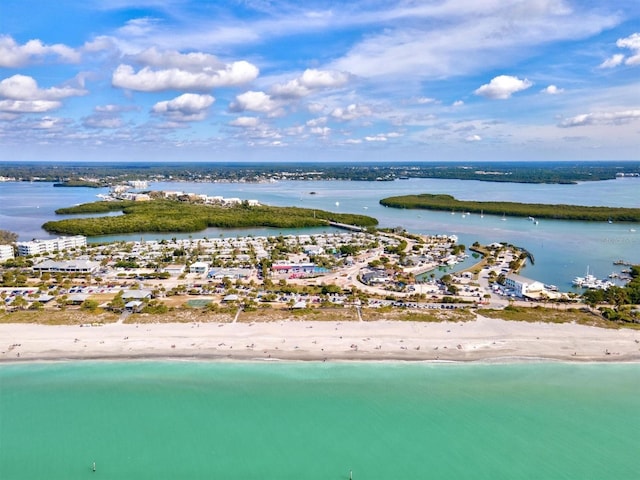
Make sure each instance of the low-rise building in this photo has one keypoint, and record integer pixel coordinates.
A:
(522, 286)
(199, 268)
(67, 266)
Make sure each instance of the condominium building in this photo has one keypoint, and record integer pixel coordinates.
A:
(6, 252)
(50, 245)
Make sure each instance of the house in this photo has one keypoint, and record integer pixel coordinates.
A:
(137, 294)
(134, 306)
(174, 270)
(374, 277)
(199, 268)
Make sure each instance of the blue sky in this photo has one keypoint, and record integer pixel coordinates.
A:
(362, 80)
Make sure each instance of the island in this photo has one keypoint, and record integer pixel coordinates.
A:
(190, 215)
(443, 202)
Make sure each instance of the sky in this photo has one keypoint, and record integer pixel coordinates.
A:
(319, 80)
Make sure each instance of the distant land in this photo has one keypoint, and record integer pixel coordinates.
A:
(532, 210)
(100, 174)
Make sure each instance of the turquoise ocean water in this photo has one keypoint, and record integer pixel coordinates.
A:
(196, 420)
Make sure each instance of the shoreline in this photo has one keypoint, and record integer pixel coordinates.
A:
(483, 340)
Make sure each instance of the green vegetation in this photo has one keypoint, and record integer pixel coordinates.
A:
(79, 183)
(175, 216)
(442, 202)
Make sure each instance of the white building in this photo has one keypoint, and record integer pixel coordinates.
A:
(523, 286)
(50, 245)
(199, 268)
(68, 266)
(6, 253)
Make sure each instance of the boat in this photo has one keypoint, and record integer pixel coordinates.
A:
(93, 467)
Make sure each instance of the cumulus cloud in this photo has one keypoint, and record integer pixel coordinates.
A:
(310, 81)
(601, 118)
(502, 87)
(458, 103)
(632, 42)
(473, 138)
(23, 87)
(188, 107)
(21, 94)
(352, 112)
(321, 131)
(552, 90)
(255, 102)
(204, 77)
(13, 55)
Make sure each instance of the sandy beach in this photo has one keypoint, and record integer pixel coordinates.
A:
(484, 339)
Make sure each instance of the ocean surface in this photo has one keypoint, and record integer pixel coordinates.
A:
(562, 250)
(380, 421)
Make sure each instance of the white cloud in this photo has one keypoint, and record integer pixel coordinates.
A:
(21, 94)
(601, 118)
(149, 80)
(245, 122)
(613, 61)
(632, 42)
(449, 38)
(310, 81)
(13, 55)
(352, 112)
(255, 102)
(321, 131)
(314, 122)
(188, 107)
(458, 103)
(23, 87)
(375, 138)
(502, 87)
(552, 90)
(473, 138)
(28, 106)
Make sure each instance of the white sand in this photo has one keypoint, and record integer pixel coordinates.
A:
(482, 340)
